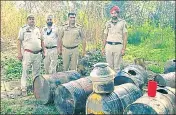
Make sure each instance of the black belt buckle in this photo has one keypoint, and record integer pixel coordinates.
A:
(36, 52)
(51, 47)
(70, 47)
(114, 43)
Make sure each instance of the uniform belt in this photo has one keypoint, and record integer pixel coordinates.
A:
(51, 47)
(113, 43)
(34, 52)
(70, 47)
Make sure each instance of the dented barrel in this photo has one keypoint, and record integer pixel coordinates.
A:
(170, 66)
(162, 103)
(166, 79)
(115, 102)
(70, 98)
(44, 86)
(132, 74)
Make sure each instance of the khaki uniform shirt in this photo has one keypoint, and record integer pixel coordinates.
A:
(71, 36)
(51, 39)
(115, 32)
(30, 37)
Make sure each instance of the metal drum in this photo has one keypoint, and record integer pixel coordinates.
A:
(166, 79)
(44, 86)
(132, 74)
(170, 66)
(162, 103)
(70, 98)
(115, 102)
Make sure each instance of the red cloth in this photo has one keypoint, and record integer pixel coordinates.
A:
(115, 8)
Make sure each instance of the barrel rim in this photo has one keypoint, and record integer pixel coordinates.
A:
(159, 76)
(55, 99)
(130, 78)
(45, 101)
(136, 67)
(128, 91)
(134, 104)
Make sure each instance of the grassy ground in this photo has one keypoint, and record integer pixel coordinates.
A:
(25, 105)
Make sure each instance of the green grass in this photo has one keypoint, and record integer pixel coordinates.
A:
(26, 105)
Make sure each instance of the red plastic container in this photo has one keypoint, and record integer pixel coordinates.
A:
(152, 86)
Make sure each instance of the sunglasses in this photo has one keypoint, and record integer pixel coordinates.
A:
(72, 17)
(31, 18)
(49, 19)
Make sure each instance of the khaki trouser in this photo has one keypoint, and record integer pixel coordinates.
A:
(50, 61)
(30, 59)
(113, 56)
(70, 58)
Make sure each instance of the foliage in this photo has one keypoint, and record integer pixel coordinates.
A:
(12, 68)
(86, 63)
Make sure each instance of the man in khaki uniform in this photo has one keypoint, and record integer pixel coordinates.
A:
(30, 40)
(50, 37)
(71, 36)
(115, 39)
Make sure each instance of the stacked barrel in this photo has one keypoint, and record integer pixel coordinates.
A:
(44, 86)
(163, 103)
(107, 99)
(106, 92)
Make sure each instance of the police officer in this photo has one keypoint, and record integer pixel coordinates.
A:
(115, 39)
(29, 39)
(50, 37)
(71, 36)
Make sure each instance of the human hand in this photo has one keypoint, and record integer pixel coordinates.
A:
(103, 51)
(20, 57)
(123, 52)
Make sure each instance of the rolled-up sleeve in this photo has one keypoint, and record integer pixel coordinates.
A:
(21, 34)
(42, 33)
(61, 32)
(57, 33)
(106, 29)
(81, 32)
(125, 27)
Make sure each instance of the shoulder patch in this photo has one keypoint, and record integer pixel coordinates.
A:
(24, 26)
(28, 30)
(78, 25)
(36, 26)
(109, 25)
(65, 24)
(45, 29)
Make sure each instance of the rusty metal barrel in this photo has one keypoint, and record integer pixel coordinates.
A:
(132, 74)
(44, 86)
(115, 102)
(170, 66)
(162, 103)
(166, 79)
(170, 94)
(70, 98)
